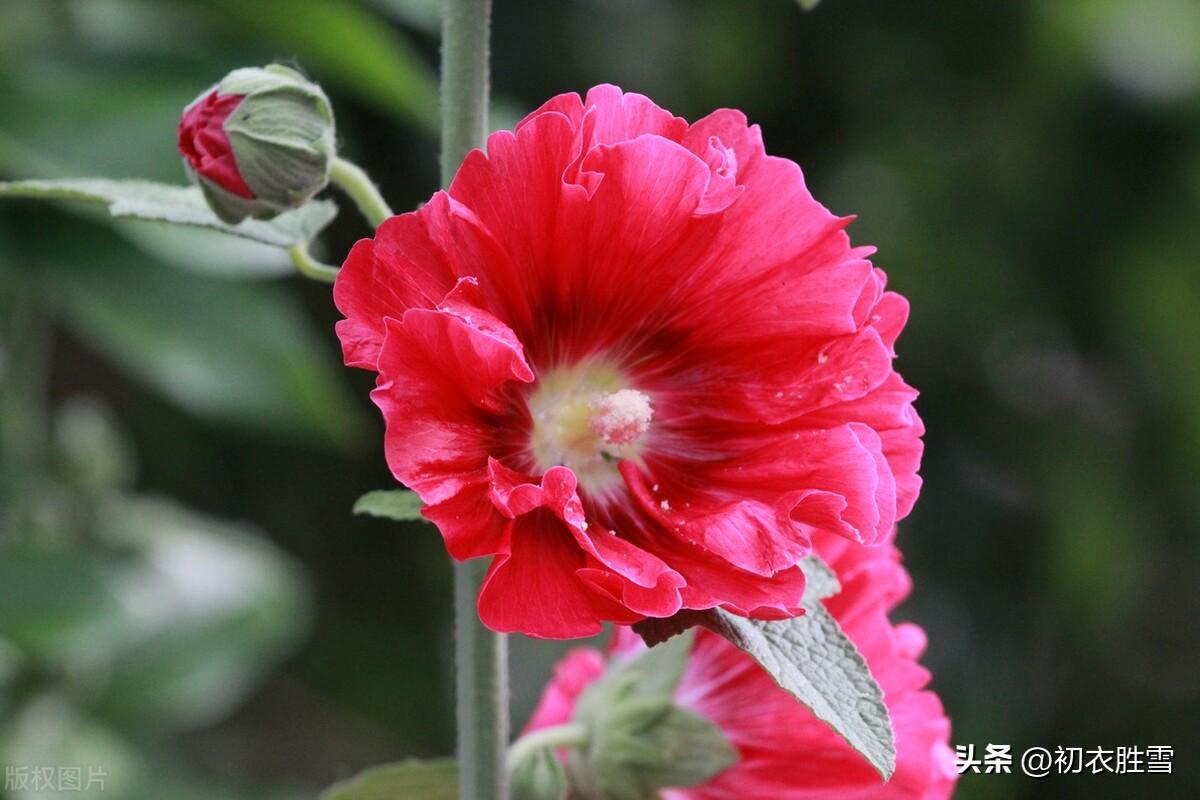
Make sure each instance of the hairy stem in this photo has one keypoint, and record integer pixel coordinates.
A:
(351, 179)
(481, 656)
(309, 267)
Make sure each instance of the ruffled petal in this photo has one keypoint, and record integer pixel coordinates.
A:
(409, 264)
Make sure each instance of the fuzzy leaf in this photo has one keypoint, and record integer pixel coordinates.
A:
(812, 659)
(406, 780)
(821, 583)
(397, 504)
(179, 205)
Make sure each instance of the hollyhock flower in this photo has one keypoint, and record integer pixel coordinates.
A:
(637, 364)
(786, 752)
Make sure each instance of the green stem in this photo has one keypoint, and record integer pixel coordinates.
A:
(351, 179)
(481, 673)
(571, 734)
(481, 692)
(308, 266)
(25, 339)
(465, 26)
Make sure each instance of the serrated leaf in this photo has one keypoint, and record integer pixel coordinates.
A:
(812, 659)
(178, 205)
(397, 504)
(820, 581)
(407, 780)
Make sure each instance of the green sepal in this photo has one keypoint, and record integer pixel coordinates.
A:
(638, 739)
(541, 776)
(283, 139)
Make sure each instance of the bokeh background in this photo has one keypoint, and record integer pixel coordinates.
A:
(185, 598)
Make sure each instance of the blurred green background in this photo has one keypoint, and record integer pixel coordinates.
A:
(185, 598)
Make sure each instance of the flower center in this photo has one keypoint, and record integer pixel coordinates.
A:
(587, 418)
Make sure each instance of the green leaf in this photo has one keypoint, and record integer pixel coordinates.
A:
(58, 606)
(346, 43)
(541, 776)
(236, 352)
(204, 251)
(808, 5)
(820, 581)
(812, 659)
(407, 780)
(179, 205)
(210, 608)
(397, 504)
(95, 457)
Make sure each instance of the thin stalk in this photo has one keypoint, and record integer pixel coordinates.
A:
(481, 673)
(309, 267)
(351, 179)
(571, 734)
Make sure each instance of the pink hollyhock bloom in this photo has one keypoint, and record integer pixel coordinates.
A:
(205, 145)
(636, 363)
(786, 752)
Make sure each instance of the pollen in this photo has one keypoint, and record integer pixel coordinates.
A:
(619, 418)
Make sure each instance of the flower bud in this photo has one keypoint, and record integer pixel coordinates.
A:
(258, 143)
(638, 739)
(540, 777)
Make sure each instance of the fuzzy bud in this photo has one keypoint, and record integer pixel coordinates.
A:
(258, 143)
(639, 740)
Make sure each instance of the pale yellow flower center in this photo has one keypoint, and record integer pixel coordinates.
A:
(586, 417)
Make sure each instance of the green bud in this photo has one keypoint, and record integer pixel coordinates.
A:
(645, 745)
(541, 776)
(260, 142)
(638, 739)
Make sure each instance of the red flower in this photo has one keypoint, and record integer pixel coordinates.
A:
(786, 753)
(634, 361)
(205, 145)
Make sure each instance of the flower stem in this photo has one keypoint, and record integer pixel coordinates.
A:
(25, 343)
(465, 26)
(570, 734)
(308, 266)
(351, 179)
(481, 672)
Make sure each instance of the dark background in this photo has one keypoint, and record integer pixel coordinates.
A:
(1030, 172)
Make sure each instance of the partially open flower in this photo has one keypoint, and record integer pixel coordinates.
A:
(785, 752)
(635, 362)
(258, 143)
